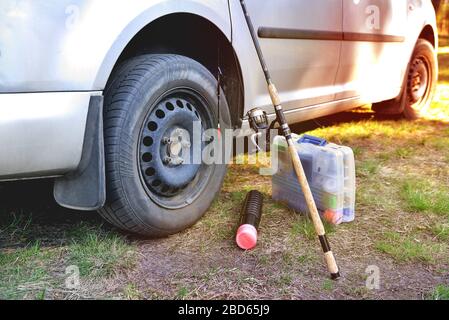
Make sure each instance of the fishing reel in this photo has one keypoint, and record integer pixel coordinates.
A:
(258, 122)
(258, 119)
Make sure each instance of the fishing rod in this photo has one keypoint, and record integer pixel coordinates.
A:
(299, 170)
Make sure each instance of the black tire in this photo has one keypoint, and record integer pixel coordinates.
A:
(142, 87)
(422, 66)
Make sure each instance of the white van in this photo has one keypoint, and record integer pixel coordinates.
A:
(102, 95)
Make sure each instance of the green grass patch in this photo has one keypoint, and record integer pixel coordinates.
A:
(441, 231)
(306, 258)
(182, 293)
(375, 193)
(368, 168)
(238, 196)
(441, 292)
(285, 279)
(404, 152)
(358, 151)
(384, 156)
(304, 226)
(221, 219)
(407, 249)
(398, 153)
(438, 143)
(24, 272)
(287, 258)
(99, 253)
(131, 292)
(17, 229)
(421, 196)
(328, 285)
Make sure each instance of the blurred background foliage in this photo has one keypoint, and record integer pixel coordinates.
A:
(442, 9)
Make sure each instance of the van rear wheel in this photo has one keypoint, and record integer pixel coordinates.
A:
(419, 85)
(156, 184)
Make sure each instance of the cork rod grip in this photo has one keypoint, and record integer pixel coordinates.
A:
(274, 95)
(299, 170)
(315, 216)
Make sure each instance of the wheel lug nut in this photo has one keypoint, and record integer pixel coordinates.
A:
(167, 160)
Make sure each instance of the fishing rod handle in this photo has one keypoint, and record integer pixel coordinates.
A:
(274, 95)
(315, 216)
(297, 165)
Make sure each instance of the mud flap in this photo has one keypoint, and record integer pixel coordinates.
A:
(85, 188)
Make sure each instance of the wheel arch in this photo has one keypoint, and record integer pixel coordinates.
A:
(428, 34)
(186, 33)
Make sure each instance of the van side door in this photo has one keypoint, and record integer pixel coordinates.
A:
(373, 51)
(301, 43)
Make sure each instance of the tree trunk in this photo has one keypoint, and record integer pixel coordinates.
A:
(437, 4)
(442, 10)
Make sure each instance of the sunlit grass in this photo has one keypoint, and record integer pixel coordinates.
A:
(439, 110)
(348, 133)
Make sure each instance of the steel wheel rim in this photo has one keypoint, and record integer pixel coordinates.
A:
(419, 80)
(171, 191)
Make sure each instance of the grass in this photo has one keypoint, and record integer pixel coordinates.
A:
(441, 292)
(285, 280)
(368, 130)
(409, 249)
(24, 272)
(441, 231)
(421, 196)
(37, 271)
(131, 292)
(368, 168)
(98, 253)
(440, 144)
(304, 226)
(405, 152)
(328, 285)
(183, 293)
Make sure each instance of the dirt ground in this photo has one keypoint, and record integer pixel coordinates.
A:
(401, 230)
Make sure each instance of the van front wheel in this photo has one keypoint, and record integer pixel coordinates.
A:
(156, 107)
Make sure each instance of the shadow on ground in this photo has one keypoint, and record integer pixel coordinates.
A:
(30, 203)
(29, 206)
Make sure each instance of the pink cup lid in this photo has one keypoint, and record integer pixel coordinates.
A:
(246, 237)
